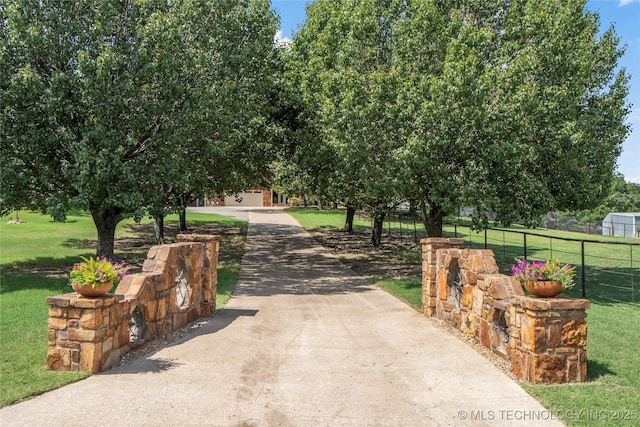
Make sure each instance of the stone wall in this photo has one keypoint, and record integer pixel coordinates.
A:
(544, 339)
(177, 285)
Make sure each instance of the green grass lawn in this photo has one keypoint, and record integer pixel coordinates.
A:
(31, 258)
(613, 369)
(613, 349)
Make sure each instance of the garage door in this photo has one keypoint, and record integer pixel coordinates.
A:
(249, 198)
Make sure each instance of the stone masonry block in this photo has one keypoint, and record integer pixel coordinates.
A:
(153, 251)
(520, 364)
(61, 300)
(484, 337)
(553, 304)
(74, 313)
(582, 366)
(533, 335)
(469, 277)
(149, 265)
(84, 302)
(91, 319)
(83, 335)
(477, 263)
(497, 289)
(548, 369)
(516, 286)
(56, 311)
(59, 359)
(553, 334)
(478, 298)
(444, 289)
(574, 333)
(491, 265)
(57, 323)
(166, 253)
(91, 357)
(467, 296)
(150, 314)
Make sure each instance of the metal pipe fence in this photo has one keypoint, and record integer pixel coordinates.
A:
(606, 270)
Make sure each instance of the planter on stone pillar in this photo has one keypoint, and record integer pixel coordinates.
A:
(544, 288)
(94, 277)
(90, 291)
(544, 279)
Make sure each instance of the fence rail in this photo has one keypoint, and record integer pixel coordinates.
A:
(607, 270)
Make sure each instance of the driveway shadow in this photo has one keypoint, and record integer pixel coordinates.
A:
(149, 364)
(284, 259)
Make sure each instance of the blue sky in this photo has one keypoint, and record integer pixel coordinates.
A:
(625, 14)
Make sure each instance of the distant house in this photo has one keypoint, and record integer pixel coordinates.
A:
(621, 224)
(256, 196)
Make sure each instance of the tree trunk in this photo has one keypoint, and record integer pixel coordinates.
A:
(432, 217)
(105, 221)
(376, 231)
(158, 229)
(348, 225)
(183, 219)
(319, 196)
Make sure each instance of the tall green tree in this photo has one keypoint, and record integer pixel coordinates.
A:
(119, 105)
(513, 107)
(344, 67)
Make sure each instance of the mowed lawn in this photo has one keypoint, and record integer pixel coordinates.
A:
(34, 257)
(611, 395)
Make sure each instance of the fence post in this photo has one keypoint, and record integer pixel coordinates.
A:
(525, 245)
(633, 290)
(455, 230)
(485, 238)
(584, 271)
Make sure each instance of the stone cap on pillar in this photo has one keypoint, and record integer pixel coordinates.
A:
(78, 301)
(198, 237)
(554, 304)
(443, 241)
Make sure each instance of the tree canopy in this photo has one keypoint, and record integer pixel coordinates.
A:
(114, 106)
(516, 108)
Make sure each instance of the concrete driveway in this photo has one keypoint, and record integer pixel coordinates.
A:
(303, 342)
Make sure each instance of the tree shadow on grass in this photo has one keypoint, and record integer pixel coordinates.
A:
(22, 282)
(131, 247)
(80, 243)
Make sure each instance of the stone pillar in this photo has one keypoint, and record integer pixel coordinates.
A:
(548, 337)
(429, 280)
(86, 334)
(209, 269)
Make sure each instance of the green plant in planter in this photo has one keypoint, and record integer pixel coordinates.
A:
(550, 270)
(95, 272)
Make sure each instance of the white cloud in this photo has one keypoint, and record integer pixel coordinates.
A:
(280, 41)
(626, 2)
